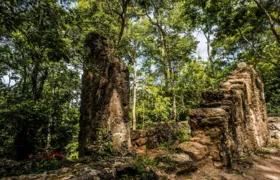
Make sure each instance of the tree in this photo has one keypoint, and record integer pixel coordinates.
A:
(174, 40)
(34, 41)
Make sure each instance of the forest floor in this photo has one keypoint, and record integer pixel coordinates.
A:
(262, 165)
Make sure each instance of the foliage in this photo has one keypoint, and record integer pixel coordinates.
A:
(142, 169)
(166, 145)
(143, 166)
(182, 134)
(47, 165)
(165, 163)
(154, 106)
(40, 97)
(271, 76)
(72, 149)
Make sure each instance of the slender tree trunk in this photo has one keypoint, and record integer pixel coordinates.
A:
(9, 76)
(207, 35)
(143, 106)
(134, 93)
(172, 91)
(49, 136)
(50, 122)
(174, 106)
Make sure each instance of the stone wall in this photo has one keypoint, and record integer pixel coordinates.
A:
(274, 127)
(232, 120)
(154, 136)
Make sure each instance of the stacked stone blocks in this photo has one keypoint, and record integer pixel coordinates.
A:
(231, 121)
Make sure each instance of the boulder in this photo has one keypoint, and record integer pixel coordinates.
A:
(176, 163)
(141, 141)
(196, 150)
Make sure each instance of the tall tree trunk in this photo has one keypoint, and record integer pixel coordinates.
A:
(134, 92)
(172, 91)
(174, 106)
(207, 35)
(49, 135)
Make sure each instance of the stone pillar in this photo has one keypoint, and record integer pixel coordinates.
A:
(105, 98)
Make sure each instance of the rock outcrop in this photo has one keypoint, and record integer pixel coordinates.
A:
(231, 121)
(105, 98)
(274, 127)
(171, 165)
(106, 169)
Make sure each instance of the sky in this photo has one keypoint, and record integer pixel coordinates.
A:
(201, 49)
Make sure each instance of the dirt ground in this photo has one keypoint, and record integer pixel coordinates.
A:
(264, 165)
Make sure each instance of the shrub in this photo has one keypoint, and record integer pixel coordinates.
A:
(47, 165)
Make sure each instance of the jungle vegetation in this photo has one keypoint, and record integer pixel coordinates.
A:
(42, 51)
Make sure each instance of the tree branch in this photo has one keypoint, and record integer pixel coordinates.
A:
(109, 6)
(244, 37)
(271, 21)
(255, 50)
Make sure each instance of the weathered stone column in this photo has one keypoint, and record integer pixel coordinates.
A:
(105, 97)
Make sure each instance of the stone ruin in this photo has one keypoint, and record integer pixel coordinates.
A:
(230, 123)
(105, 99)
(231, 120)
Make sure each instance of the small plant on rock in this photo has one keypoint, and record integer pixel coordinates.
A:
(182, 135)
